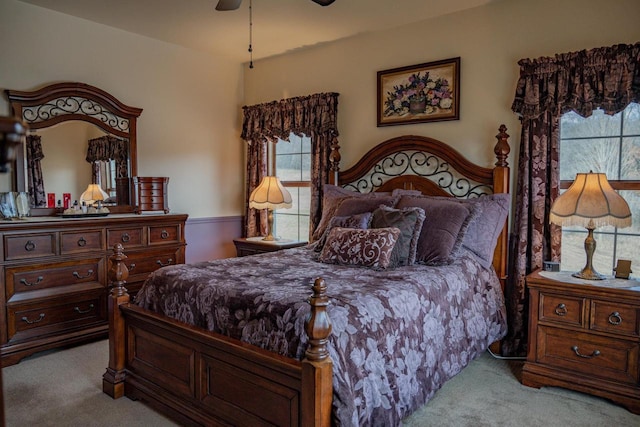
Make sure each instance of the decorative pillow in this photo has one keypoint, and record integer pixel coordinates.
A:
(360, 221)
(356, 205)
(482, 235)
(409, 222)
(440, 236)
(367, 248)
(331, 198)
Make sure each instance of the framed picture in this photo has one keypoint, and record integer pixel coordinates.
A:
(419, 93)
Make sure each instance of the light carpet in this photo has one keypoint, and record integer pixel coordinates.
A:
(64, 388)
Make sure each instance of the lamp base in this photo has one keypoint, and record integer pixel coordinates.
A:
(589, 275)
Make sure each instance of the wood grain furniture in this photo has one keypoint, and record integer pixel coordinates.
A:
(200, 377)
(150, 194)
(584, 335)
(54, 274)
(255, 245)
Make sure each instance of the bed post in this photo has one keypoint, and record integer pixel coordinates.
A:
(317, 368)
(501, 185)
(113, 379)
(334, 162)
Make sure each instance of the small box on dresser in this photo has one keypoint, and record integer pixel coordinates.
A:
(584, 335)
(150, 194)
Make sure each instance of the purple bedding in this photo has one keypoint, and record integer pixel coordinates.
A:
(398, 334)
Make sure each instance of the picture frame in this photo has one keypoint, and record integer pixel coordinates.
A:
(427, 92)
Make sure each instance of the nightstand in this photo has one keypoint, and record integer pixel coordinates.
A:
(584, 335)
(255, 245)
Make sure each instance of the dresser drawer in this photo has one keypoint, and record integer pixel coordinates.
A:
(616, 318)
(32, 280)
(152, 203)
(148, 191)
(562, 309)
(141, 264)
(55, 315)
(596, 356)
(29, 246)
(128, 237)
(164, 234)
(81, 241)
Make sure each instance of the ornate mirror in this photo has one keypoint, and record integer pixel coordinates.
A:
(78, 135)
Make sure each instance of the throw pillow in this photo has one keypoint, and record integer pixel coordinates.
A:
(360, 221)
(440, 236)
(409, 221)
(366, 248)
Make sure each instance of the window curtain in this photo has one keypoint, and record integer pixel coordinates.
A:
(107, 148)
(314, 116)
(607, 78)
(35, 182)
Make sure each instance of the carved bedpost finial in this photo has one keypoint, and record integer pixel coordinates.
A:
(317, 324)
(118, 273)
(334, 161)
(502, 148)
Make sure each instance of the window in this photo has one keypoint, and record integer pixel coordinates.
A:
(608, 144)
(291, 163)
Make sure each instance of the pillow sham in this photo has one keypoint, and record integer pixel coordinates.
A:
(357, 205)
(366, 248)
(409, 221)
(332, 196)
(481, 237)
(445, 220)
(360, 221)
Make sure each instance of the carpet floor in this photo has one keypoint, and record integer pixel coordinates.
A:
(64, 388)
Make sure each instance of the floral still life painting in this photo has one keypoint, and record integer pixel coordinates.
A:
(419, 93)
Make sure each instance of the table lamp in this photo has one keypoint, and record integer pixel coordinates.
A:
(270, 195)
(590, 202)
(92, 194)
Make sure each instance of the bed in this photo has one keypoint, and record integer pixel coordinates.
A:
(328, 334)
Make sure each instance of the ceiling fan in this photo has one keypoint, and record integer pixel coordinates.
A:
(234, 4)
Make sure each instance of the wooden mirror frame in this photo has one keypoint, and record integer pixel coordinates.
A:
(68, 101)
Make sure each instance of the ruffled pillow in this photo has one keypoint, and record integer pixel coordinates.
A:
(360, 221)
(409, 221)
(366, 248)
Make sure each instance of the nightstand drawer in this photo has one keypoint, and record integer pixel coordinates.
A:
(561, 309)
(616, 318)
(596, 356)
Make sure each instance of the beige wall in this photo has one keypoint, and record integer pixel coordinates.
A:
(189, 129)
(489, 39)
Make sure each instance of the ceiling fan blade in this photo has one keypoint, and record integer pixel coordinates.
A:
(228, 4)
(323, 2)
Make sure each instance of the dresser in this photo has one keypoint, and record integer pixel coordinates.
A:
(584, 335)
(54, 274)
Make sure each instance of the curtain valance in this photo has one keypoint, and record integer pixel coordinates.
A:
(311, 115)
(606, 77)
(107, 148)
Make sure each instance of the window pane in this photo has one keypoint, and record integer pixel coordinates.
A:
(628, 249)
(584, 155)
(572, 125)
(305, 173)
(304, 198)
(574, 257)
(631, 158)
(287, 147)
(632, 120)
(303, 231)
(286, 226)
(288, 167)
(633, 200)
(288, 223)
(306, 144)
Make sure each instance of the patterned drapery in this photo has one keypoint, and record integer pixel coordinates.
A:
(607, 78)
(35, 182)
(314, 116)
(105, 148)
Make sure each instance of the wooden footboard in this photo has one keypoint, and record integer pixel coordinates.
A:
(202, 378)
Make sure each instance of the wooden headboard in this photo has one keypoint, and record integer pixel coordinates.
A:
(420, 163)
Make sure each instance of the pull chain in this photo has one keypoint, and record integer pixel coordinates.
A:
(250, 35)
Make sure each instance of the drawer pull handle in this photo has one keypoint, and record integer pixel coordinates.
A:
(169, 262)
(78, 276)
(132, 267)
(38, 280)
(82, 242)
(29, 246)
(31, 322)
(125, 238)
(593, 354)
(615, 318)
(77, 309)
(561, 310)
(164, 234)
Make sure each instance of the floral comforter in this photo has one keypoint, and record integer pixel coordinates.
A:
(397, 336)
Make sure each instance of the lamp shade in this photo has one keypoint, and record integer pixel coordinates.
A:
(591, 200)
(93, 193)
(270, 194)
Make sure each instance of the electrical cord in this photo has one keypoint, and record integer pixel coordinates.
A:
(496, 356)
